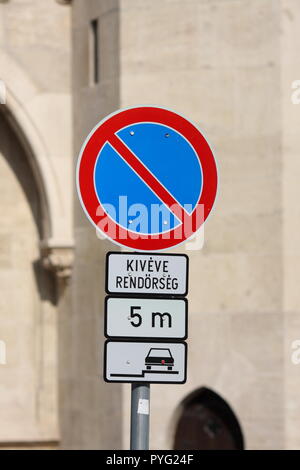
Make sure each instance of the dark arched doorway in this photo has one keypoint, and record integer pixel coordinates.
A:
(206, 422)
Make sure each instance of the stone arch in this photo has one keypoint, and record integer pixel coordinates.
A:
(56, 239)
(44, 225)
(205, 421)
(38, 159)
(28, 409)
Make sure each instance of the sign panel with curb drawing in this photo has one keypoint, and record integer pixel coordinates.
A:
(137, 361)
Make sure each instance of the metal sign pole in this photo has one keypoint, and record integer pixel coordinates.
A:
(140, 409)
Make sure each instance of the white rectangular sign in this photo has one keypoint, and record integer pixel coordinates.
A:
(146, 273)
(138, 317)
(136, 361)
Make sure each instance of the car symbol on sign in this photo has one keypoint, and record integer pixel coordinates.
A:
(159, 357)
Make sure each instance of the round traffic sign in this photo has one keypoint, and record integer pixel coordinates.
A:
(146, 178)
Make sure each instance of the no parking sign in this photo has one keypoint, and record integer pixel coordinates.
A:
(146, 178)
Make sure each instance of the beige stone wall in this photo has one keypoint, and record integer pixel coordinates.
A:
(219, 64)
(290, 44)
(91, 410)
(228, 66)
(28, 390)
(35, 67)
(36, 206)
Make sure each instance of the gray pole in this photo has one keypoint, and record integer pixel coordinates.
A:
(139, 430)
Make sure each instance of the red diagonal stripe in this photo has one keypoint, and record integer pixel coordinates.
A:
(146, 176)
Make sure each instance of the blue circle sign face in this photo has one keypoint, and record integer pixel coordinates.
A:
(146, 178)
(169, 157)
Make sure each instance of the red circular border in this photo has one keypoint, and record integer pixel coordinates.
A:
(90, 152)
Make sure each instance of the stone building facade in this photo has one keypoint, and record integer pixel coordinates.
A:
(228, 66)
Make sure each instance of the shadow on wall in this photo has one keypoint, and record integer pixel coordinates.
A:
(206, 422)
(45, 283)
